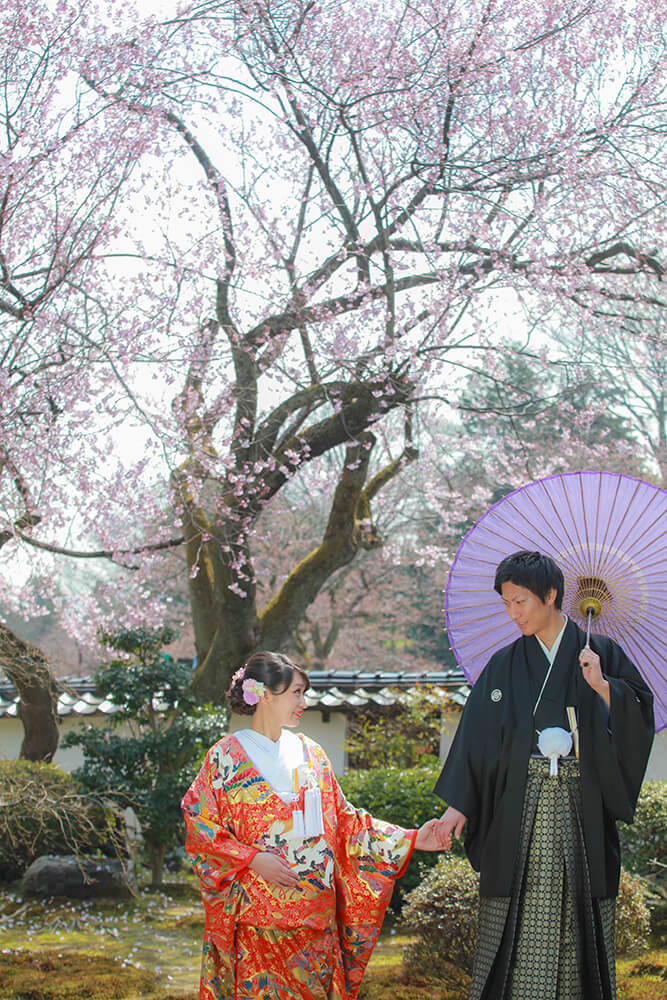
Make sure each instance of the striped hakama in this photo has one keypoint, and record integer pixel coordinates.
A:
(549, 940)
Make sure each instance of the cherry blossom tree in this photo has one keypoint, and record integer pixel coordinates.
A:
(303, 216)
(60, 185)
(631, 354)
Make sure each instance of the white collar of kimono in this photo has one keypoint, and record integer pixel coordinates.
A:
(274, 759)
(551, 653)
(551, 656)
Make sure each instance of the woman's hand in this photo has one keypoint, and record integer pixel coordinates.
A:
(274, 869)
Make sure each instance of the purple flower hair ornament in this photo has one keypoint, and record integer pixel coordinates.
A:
(252, 690)
(238, 675)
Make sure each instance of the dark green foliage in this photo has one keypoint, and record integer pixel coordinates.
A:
(644, 850)
(405, 735)
(400, 796)
(524, 390)
(633, 919)
(43, 810)
(442, 911)
(150, 763)
(645, 841)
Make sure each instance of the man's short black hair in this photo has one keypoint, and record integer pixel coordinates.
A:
(536, 572)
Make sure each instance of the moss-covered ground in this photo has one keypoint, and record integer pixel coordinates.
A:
(147, 948)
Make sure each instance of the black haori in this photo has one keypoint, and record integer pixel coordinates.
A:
(550, 940)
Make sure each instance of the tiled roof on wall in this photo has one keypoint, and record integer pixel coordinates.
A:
(331, 690)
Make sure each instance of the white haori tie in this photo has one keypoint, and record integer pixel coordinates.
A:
(554, 742)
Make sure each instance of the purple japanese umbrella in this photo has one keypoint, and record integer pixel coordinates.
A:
(608, 534)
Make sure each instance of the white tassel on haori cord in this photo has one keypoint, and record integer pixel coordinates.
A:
(312, 810)
(554, 743)
(309, 821)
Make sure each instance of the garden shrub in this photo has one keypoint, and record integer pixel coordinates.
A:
(402, 796)
(148, 764)
(442, 911)
(645, 840)
(404, 734)
(43, 810)
(633, 918)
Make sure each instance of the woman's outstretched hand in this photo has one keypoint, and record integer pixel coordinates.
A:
(432, 836)
(274, 869)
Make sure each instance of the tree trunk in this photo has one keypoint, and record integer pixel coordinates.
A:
(28, 670)
(156, 854)
(228, 626)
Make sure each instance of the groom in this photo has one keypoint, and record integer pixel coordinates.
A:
(546, 846)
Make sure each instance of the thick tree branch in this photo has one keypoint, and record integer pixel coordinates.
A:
(338, 547)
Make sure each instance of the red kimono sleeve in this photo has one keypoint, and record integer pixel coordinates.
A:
(217, 856)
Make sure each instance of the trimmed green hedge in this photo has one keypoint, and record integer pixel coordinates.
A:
(442, 912)
(645, 840)
(404, 797)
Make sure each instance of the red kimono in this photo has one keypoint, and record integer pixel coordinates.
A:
(265, 941)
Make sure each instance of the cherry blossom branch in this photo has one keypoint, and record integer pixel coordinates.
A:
(111, 554)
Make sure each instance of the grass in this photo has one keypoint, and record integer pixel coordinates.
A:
(150, 943)
(643, 978)
(71, 976)
(148, 948)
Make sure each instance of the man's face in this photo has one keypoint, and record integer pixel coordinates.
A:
(526, 609)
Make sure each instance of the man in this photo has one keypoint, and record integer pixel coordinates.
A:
(546, 845)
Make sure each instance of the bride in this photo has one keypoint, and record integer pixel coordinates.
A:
(295, 880)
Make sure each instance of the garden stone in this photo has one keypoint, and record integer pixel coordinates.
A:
(79, 878)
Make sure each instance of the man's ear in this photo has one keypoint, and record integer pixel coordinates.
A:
(551, 596)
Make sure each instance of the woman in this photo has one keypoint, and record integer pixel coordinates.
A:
(295, 880)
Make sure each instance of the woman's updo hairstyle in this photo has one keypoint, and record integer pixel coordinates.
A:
(274, 670)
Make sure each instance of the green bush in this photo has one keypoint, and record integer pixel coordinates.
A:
(442, 911)
(633, 919)
(150, 764)
(645, 840)
(404, 734)
(43, 810)
(400, 796)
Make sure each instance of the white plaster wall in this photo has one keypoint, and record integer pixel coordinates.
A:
(450, 720)
(330, 735)
(657, 762)
(70, 758)
(11, 737)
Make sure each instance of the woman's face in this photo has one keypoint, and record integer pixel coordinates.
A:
(288, 706)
